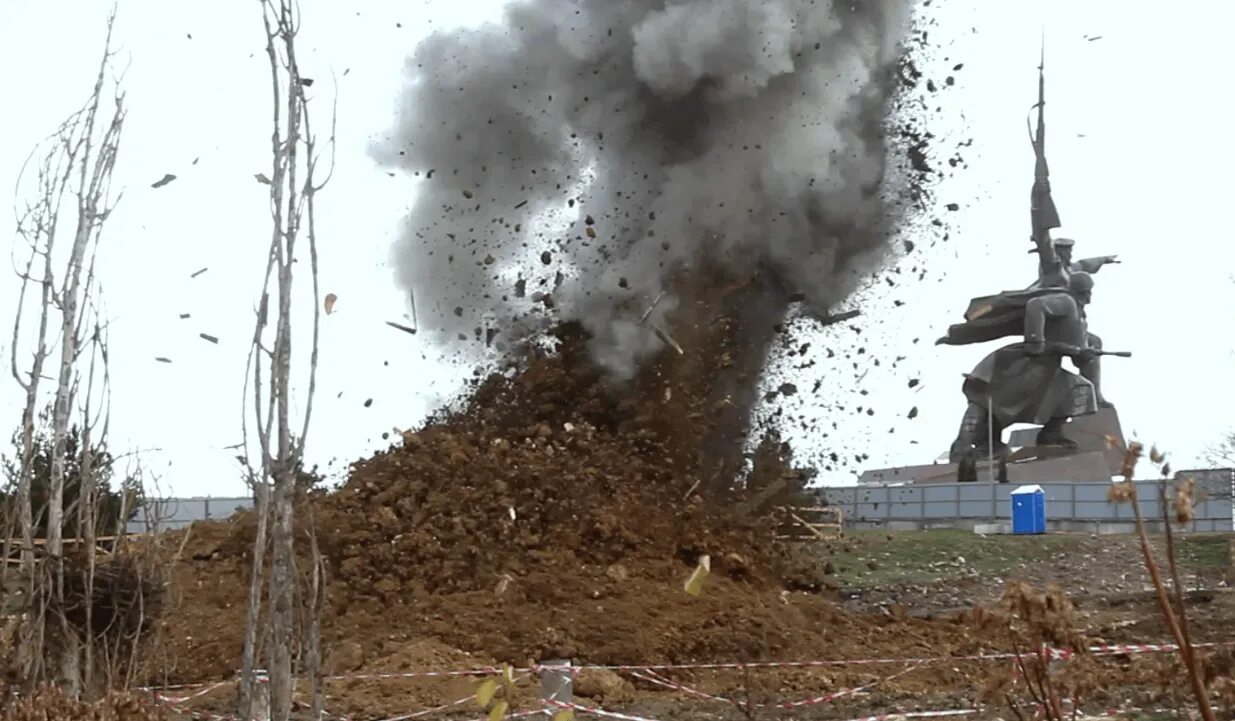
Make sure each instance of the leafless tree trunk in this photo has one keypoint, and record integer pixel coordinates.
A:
(292, 186)
(78, 163)
(261, 506)
(93, 434)
(313, 617)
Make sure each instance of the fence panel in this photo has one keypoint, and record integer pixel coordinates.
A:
(992, 502)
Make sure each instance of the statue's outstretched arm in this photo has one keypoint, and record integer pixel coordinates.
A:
(1093, 265)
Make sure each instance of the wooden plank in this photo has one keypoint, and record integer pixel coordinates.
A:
(812, 530)
(763, 497)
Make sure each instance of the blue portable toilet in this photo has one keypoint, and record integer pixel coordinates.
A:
(1029, 509)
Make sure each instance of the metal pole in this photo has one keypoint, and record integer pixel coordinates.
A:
(990, 436)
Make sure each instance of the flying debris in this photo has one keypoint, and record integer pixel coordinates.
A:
(161, 359)
(163, 181)
(330, 301)
(184, 316)
(722, 78)
(833, 318)
(400, 326)
(203, 270)
(209, 337)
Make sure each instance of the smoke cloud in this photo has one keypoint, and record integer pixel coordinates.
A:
(583, 155)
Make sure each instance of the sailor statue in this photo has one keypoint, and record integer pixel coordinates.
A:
(1025, 381)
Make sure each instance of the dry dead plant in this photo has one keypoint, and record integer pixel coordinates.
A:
(1170, 603)
(1036, 624)
(68, 178)
(293, 184)
(53, 704)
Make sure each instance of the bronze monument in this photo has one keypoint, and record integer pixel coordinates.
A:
(1025, 381)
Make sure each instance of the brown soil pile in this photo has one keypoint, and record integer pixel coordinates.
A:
(546, 518)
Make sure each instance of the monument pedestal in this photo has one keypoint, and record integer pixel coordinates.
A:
(1099, 454)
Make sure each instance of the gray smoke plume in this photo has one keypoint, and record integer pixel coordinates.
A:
(584, 154)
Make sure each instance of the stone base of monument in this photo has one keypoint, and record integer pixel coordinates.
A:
(992, 529)
(1099, 454)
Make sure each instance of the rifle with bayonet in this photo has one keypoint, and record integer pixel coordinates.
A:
(1044, 217)
(1075, 351)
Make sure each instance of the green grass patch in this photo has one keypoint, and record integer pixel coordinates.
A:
(875, 558)
(1206, 551)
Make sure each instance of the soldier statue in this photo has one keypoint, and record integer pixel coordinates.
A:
(1025, 382)
(1054, 273)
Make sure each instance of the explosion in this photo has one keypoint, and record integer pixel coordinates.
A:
(583, 157)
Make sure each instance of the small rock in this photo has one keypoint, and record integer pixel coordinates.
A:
(602, 686)
(345, 656)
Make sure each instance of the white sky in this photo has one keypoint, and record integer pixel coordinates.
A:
(1139, 160)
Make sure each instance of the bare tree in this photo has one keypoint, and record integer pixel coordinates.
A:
(1222, 453)
(75, 164)
(293, 185)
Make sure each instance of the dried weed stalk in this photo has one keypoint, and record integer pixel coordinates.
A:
(1171, 604)
(1035, 624)
(53, 704)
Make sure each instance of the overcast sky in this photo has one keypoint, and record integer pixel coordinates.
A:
(1139, 160)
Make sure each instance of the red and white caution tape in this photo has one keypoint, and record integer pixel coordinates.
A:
(180, 700)
(1128, 649)
(825, 698)
(1111, 650)
(844, 692)
(653, 678)
(486, 671)
(918, 714)
(435, 709)
(579, 708)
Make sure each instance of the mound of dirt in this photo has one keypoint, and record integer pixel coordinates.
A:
(545, 518)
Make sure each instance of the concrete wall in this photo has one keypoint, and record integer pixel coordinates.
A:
(1074, 504)
(168, 513)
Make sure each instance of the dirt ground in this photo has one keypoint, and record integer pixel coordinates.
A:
(899, 595)
(557, 515)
